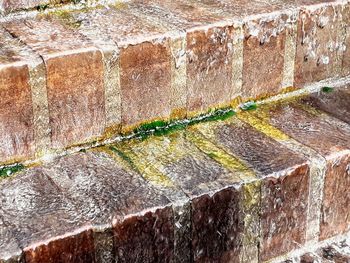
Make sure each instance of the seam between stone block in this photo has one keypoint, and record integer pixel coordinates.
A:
(112, 90)
(317, 165)
(289, 56)
(237, 63)
(178, 77)
(42, 130)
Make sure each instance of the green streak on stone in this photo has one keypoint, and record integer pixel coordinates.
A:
(42, 7)
(10, 170)
(248, 106)
(123, 156)
(160, 128)
(327, 89)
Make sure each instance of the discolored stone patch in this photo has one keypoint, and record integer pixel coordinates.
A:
(335, 103)
(16, 111)
(74, 79)
(319, 45)
(335, 217)
(217, 224)
(330, 138)
(283, 174)
(146, 237)
(209, 68)
(263, 56)
(145, 82)
(284, 205)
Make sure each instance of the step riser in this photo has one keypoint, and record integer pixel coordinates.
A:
(88, 96)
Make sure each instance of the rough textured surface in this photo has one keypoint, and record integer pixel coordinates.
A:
(209, 68)
(16, 112)
(338, 252)
(285, 174)
(263, 56)
(329, 137)
(74, 79)
(284, 210)
(319, 45)
(334, 103)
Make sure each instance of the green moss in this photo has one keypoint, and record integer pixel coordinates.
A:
(248, 106)
(10, 170)
(42, 7)
(126, 158)
(327, 89)
(160, 128)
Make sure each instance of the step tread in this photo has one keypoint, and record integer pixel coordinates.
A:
(162, 192)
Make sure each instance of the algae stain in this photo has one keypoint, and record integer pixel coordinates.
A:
(219, 155)
(138, 164)
(249, 106)
(160, 127)
(327, 89)
(263, 126)
(10, 170)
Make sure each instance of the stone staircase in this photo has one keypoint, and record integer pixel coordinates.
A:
(175, 131)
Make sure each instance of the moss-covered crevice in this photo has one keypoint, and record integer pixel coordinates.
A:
(160, 128)
(7, 171)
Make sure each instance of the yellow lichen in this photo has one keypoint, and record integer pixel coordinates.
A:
(263, 125)
(219, 155)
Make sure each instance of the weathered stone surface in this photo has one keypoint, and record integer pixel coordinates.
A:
(145, 82)
(284, 174)
(16, 109)
(284, 205)
(215, 234)
(338, 252)
(309, 126)
(263, 56)
(146, 237)
(335, 103)
(30, 206)
(346, 32)
(209, 68)
(74, 79)
(335, 217)
(9, 248)
(11, 5)
(330, 138)
(86, 192)
(77, 247)
(319, 45)
(116, 194)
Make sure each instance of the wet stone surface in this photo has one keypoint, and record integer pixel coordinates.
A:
(74, 73)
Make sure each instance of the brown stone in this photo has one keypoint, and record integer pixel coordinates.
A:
(209, 68)
(284, 210)
(38, 212)
(16, 114)
(335, 103)
(74, 79)
(319, 45)
(263, 57)
(346, 31)
(16, 109)
(284, 184)
(322, 133)
(10, 251)
(147, 237)
(145, 82)
(335, 216)
(216, 232)
(330, 138)
(217, 227)
(73, 248)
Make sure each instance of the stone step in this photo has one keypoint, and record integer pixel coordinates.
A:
(257, 187)
(72, 77)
